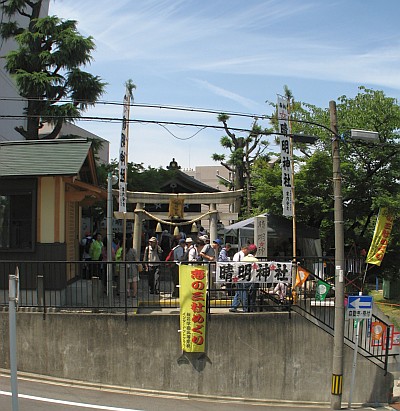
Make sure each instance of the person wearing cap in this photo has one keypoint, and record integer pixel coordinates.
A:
(223, 254)
(242, 292)
(205, 238)
(152, 258)
(179, 252)
(216, 245)
(209, 252)
(189, 245)
(194, 251)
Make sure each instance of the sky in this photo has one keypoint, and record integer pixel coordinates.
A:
(227, 56)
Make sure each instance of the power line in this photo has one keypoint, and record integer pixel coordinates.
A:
(118, 119)
(155, 106)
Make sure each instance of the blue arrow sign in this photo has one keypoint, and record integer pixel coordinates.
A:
(360, 302)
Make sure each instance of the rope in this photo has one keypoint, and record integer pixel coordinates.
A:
(160, 220)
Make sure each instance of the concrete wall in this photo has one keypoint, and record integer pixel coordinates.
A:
(257, 355)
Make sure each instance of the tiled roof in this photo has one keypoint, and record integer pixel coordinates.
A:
(185, 183)
(43, 157)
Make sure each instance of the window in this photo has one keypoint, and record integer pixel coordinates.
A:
(16, 217)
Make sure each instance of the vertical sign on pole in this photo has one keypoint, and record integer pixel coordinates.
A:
(123, 163)
(286, 162)
(123, 153)
(260, 235)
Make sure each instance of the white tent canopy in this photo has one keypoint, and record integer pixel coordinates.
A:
(279, 236)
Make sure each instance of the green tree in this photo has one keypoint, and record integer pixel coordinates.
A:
(46, 67)
(139, 178)
(243, 152)
(369, 170)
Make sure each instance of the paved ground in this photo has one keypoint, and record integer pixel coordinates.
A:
(45, 394)
(396, 395)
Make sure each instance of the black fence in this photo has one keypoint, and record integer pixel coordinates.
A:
(104, 285)
(48, 286)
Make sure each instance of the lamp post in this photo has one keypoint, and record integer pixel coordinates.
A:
(111, 180)
(338, 341)
(338, 338)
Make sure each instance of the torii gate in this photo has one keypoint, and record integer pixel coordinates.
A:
(210, 199)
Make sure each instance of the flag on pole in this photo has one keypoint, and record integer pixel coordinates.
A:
(301, 276)
(380, 240)
(123, 152)
(286, 160)
(321, 290)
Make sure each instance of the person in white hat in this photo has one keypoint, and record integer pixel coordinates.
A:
(208, 251)
(152, 258)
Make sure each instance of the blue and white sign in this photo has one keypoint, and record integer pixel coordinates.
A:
(359, 306)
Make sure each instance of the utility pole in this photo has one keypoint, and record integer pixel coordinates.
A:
(338, 341)
(13, 282)
(109, 238)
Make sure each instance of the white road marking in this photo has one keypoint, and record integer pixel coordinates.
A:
(75, 404)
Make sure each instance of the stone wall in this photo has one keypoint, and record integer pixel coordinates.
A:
(257, 355)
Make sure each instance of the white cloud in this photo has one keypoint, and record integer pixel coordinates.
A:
(251, 39)
(245, 102)
(232, 55)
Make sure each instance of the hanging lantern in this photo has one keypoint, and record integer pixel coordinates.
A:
(176, 230)
(158, 228)
(194, 228)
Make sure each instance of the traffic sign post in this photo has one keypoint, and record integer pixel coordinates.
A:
(359, 307)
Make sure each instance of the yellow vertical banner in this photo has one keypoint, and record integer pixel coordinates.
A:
(380, 240)
(192, 297)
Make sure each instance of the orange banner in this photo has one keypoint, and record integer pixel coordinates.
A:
(301, 276)
(193, 293)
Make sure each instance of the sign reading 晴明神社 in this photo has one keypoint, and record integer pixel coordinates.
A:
(286, 161)
(260, 235)
(254, 272)
(123, 154)
(193, 289)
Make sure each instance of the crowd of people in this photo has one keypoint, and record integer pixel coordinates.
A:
(179, 249)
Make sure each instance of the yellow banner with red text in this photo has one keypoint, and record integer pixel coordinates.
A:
(193, 290)
(383, 228)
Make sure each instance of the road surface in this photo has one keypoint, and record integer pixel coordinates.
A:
(35, 395)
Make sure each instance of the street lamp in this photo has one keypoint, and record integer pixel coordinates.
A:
(338, 338)
(338, 341)
(111, 180)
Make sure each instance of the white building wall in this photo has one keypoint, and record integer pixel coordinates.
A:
(11, 103)
(72, 129)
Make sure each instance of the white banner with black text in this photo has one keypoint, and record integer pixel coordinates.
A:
(254, 272)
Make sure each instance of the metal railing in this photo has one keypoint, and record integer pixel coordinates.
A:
(323, 314)
(102, 287)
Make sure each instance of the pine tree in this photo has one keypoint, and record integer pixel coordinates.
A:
(46, 67)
